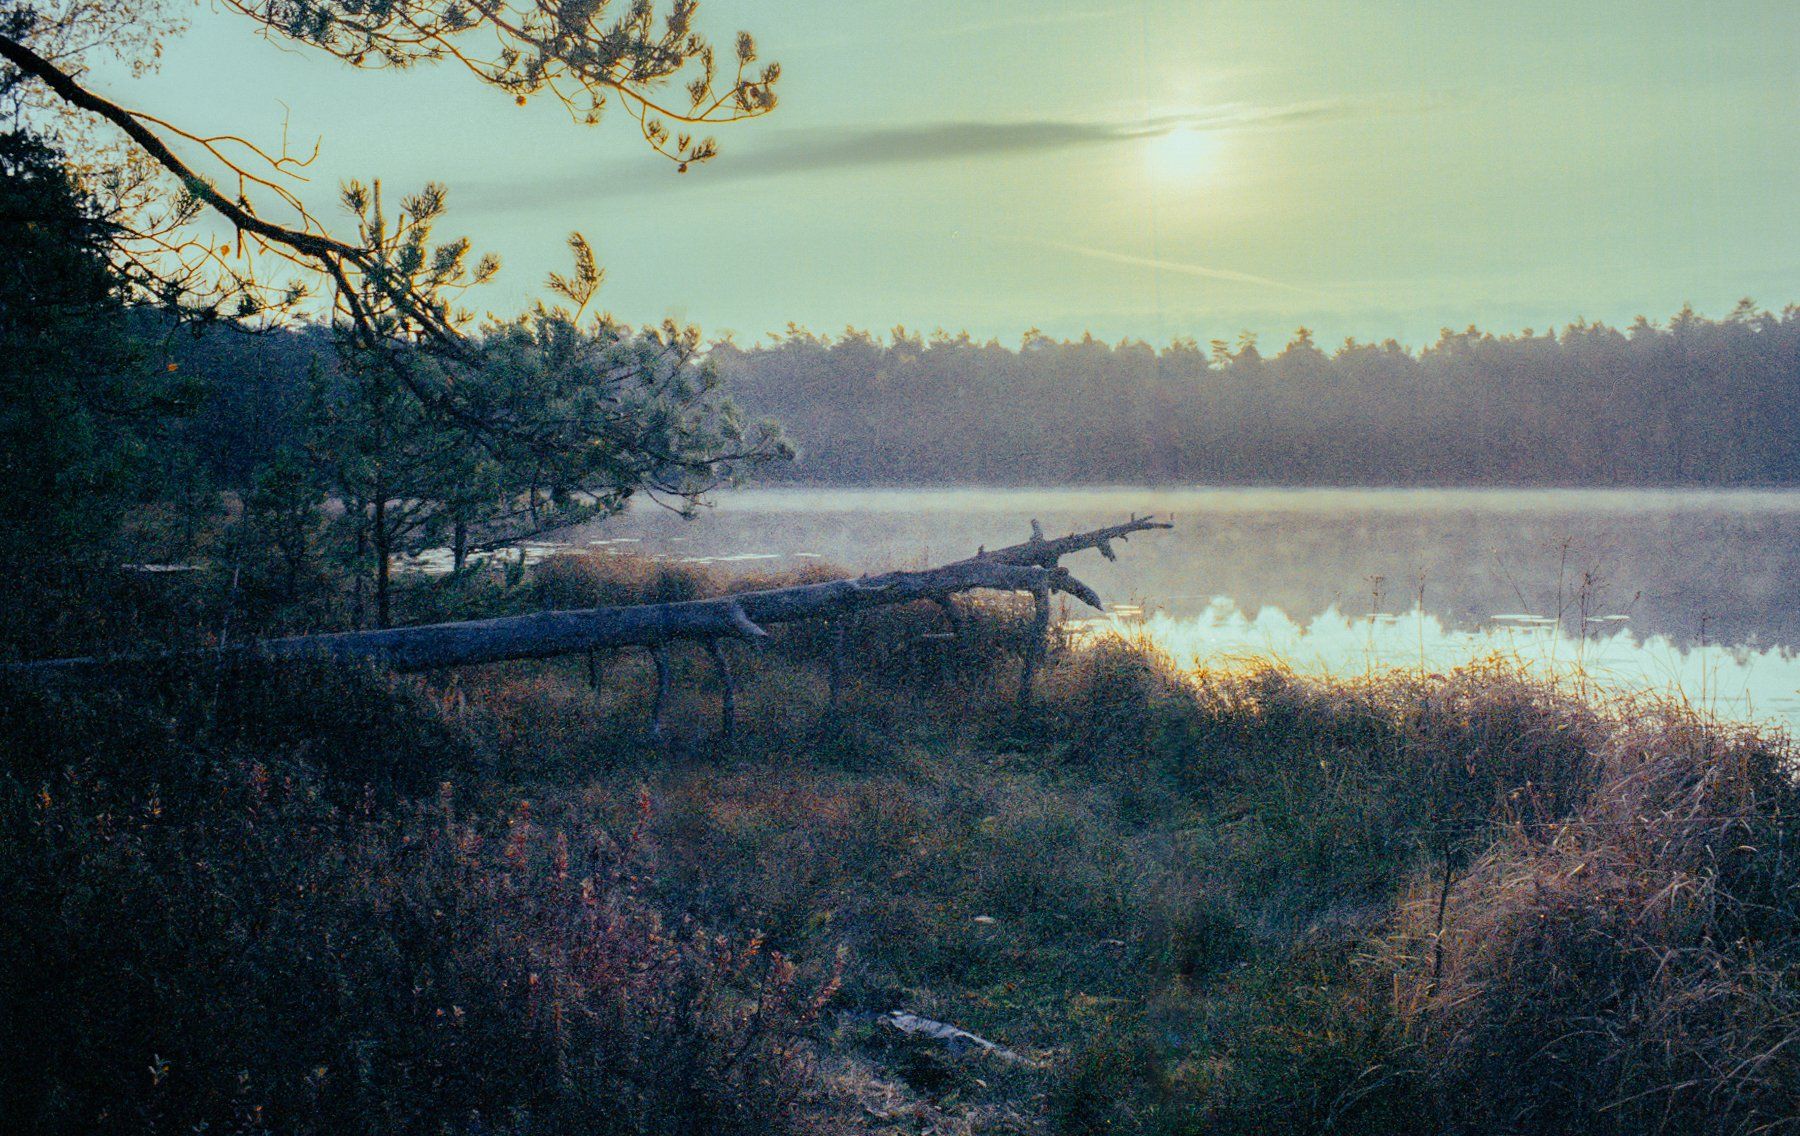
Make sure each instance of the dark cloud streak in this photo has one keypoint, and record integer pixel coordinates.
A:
(844, 148)
(948, 141)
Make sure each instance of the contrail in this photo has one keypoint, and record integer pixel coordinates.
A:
(1177, 266)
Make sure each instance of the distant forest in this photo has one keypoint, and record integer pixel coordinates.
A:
(1695, 401)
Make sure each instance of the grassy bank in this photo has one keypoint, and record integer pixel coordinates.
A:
(327, 900)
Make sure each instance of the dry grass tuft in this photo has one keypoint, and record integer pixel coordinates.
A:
(1633, 969)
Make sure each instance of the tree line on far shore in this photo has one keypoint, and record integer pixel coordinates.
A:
(1690, 401)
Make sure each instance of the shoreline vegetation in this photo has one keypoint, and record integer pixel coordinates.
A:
(1228, 900)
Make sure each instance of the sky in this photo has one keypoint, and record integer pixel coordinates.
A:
(1146, 169)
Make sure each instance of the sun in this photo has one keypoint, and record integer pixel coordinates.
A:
(1182, 155)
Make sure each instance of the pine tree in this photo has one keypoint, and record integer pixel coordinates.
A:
(81, 402)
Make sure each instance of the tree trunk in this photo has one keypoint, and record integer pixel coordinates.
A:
(383, 564)
(836, 673)
(359, 582)
(728, 696)
(1037, 637)
(659, 654)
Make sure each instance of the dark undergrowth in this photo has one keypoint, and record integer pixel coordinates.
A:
(321, 899)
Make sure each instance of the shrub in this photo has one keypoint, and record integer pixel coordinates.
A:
(362, 728)
(249, 950)
(575, 580)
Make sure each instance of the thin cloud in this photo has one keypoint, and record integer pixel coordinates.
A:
(847, 148)
(1182, 268)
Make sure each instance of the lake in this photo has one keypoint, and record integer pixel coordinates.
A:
(1684, 588)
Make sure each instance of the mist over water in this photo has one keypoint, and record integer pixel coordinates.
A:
(1681, 589)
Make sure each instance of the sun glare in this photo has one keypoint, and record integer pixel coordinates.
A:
(1183, 154)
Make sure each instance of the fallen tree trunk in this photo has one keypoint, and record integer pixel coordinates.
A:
(551, 633)
(1043, 553)
(1031, 566)
(1046, 553)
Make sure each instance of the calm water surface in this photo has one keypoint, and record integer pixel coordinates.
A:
(1719, 566)
(1695, 589)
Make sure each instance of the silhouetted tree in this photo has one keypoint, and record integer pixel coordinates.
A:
(83, 402)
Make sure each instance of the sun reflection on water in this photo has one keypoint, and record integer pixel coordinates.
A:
(1736, 682)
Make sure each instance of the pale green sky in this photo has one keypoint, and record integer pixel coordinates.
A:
(1144, 168)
